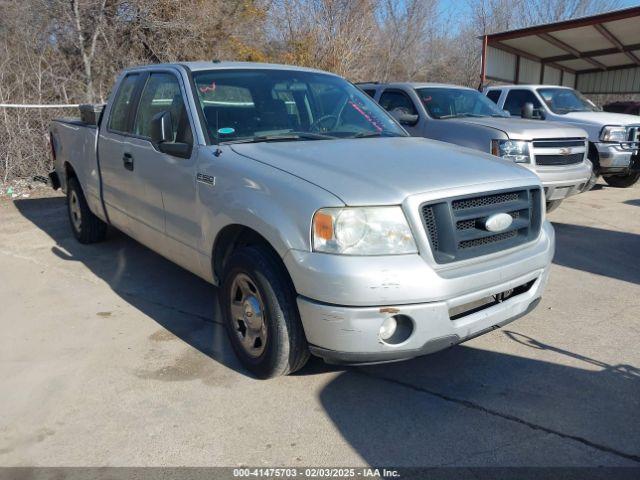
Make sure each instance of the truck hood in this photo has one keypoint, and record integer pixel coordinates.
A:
(521, 129)
(602, 118)
(384, 171)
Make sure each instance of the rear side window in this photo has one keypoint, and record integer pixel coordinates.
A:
(162, 94)
(371, 93)
(517, 98)
(395, 100)
(494, 95)
(122, 106)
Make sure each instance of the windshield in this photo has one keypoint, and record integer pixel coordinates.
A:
(272, 105)
(565, 100)
(457, 102)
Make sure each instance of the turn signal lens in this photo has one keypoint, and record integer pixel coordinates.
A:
(323, 226)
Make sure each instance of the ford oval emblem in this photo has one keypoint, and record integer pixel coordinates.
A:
(498, 222)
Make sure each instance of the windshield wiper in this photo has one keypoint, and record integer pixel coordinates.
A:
(462, 115)
(287, 137)
(374, 134)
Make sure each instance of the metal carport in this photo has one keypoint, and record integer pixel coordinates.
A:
(599, 54)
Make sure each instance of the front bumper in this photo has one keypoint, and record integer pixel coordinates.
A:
(564, 180)
(342, 309)
(614, 158)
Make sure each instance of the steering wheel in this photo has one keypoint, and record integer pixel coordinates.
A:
(317, 124)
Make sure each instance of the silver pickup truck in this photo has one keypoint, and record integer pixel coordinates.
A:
(614, 138)
(556, 153)
(327, 228)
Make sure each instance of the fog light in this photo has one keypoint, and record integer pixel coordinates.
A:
(388, 328)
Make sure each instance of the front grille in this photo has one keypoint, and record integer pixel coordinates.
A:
(484, 200)
(634, 134)
(559, 159)
(557, 143)
(456, 229)
(476, 242)
(559, 151)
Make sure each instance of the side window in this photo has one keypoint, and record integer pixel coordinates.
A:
(494, 95)
(395, 100)
(517, 98)
(122, 105)
(162, 94)
(371, 93)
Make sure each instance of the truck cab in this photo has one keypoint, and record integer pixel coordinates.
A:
(614, 138)
(463, 116)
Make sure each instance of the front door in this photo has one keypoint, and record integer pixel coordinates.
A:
(165, 184)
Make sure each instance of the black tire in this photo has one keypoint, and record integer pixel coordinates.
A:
(86, 227)
(552, 205)
(285, 349)
(591, 182)
(622, 181)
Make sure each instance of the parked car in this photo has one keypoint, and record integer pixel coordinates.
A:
(629, 107)
(614, 139)
(556, 153)
(327, 228)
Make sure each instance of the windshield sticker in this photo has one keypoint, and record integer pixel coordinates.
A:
(208, 88)
(226, 131)
(372, 121)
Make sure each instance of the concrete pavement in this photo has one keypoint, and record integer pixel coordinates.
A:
(112, 356)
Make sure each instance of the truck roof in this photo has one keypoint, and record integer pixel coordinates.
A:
(527, 86)
(411, 84)
(225, 65)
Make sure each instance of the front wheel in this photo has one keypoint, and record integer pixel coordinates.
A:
(622, 181)
(552, 205)
(260, 313)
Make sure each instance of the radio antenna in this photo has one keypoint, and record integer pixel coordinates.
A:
(217, 151)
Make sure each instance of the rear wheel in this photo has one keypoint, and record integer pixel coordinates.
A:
(622, 181)
(86, 227)
(261, 315)
(552, 205)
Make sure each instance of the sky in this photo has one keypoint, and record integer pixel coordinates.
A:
(463, 9)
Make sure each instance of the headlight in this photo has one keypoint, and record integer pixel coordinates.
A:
(362, 231)
(613, 134)
(515, 150)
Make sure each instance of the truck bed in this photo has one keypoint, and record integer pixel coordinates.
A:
(74, 143)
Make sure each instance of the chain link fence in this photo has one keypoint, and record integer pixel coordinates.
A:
(24, 139)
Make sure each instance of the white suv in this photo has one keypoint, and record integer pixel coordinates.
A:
(614, 138)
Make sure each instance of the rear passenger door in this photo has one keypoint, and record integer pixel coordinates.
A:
(494, 96)
(117, 186)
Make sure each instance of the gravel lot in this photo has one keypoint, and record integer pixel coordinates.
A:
(111, 355)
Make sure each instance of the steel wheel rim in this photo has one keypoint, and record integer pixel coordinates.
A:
(247, 315)
(74, 210)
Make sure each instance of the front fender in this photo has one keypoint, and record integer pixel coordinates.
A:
(274, 203)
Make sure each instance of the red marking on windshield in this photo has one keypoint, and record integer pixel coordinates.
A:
(366, 116)
(208, 88)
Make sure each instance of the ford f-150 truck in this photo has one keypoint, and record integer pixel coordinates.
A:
(327, 228)
(449, 113)
(614, 138)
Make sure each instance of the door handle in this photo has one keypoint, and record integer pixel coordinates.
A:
(127, 161)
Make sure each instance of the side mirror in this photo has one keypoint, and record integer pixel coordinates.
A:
(404, 118)
(527, 110)
(162, 136)
(507, 113)
(161, 128)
